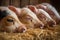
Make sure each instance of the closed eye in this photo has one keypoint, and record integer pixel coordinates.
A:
(29, 17)
(10, 20)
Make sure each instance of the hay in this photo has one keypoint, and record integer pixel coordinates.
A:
(33, 34)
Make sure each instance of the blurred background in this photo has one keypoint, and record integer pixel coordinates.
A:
(22, 3)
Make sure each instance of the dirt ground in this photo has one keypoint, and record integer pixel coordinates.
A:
(52, 33)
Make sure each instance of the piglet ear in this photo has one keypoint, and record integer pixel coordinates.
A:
(14, 9)
(33, 8)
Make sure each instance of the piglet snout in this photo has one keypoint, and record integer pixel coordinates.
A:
(52, 23)
(21, 29)
(39, 25)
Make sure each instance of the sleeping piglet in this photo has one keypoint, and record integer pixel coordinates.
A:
(50, 10)
(42, 15)
(9, 21)
(28, 18)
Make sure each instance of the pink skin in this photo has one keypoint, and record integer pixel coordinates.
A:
(34, 22)
(11, 26)
(32, 8)
(32, 17)
(16, 10)
(36, 11)
(54, 14)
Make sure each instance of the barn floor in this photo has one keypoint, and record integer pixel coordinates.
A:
(52, 33)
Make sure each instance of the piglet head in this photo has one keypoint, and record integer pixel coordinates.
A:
(30, 19)
(9, 21)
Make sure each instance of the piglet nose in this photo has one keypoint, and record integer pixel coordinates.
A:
(41, 26)
(21, 29)
(52, 23)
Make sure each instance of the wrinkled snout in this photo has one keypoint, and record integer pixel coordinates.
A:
(52, 23)
(39, 25)
(21, 29)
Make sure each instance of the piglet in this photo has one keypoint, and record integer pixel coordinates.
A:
(28, 18)
(9, 21)
(42, 15)
(50, 10)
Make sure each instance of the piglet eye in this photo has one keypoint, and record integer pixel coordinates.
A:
(10, 20)
(28, 17)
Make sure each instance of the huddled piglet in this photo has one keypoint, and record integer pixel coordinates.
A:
(9, 21)
(50, 10)
(28, 18)
(42, 15)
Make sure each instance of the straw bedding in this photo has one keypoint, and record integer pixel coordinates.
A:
(52, 33)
